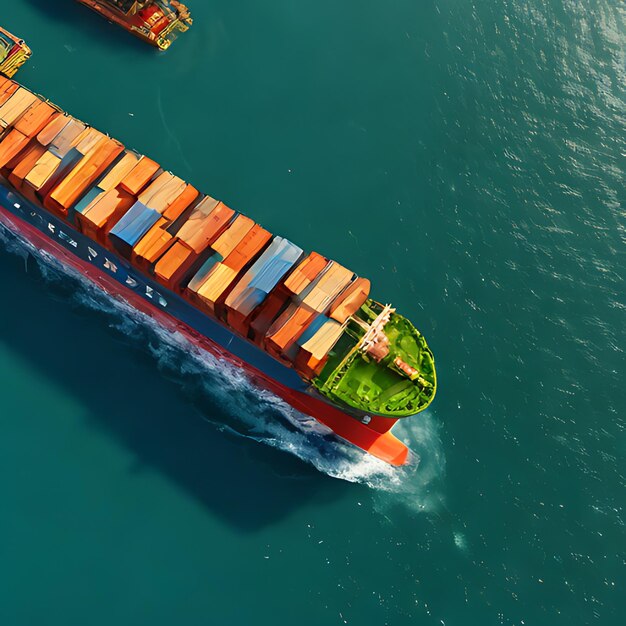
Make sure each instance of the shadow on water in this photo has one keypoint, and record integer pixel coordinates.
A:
(247, 484)
(90, 24)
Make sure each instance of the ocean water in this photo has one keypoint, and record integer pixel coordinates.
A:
(469, 158)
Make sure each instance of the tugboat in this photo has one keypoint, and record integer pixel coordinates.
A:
(156, 21)
(13, 53)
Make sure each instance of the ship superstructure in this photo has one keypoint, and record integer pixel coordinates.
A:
(301, 324)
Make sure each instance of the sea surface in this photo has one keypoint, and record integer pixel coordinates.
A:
(469, 158)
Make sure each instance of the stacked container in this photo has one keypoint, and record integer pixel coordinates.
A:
(295, 308)
(253, 288)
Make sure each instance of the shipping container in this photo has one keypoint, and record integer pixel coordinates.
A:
(132, 227)
(108, 181)
(27, 160)
(145, 244)
(215, 284)
(286, 330)
(252, 289)
(171, 269)
(181, 203)
(16, 106)
(313, 354)
(71, 188)
(139, 176)
(122, 168)
(67, 138)
(306, 272)
(48, 133)
(327, 287)
(233, 235)
(239, 227)
(36, 119)
(7, 91)
(205, 224)
(265, 315)
(160, 194)
(294, 284)
(88, 140)
(248, 248)
(350, 300)
(12, 144)
(43, 169)
(104, 213)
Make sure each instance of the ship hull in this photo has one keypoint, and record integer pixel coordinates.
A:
(118, 278)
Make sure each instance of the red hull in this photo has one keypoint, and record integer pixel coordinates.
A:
(384, 446)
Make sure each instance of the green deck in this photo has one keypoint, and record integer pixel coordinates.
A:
(380, 388)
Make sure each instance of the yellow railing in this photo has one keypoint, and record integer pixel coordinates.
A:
(15, 60)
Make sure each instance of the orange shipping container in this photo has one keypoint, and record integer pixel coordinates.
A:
(181, 203)
(286, 330)
(173, 265)
(87, 141)
(27, 162)
(350, 300)
(36, 118)
(305, 273)
(12, 144)
(217, 282)
(154, 187)
(7, 91)
(67, 137)
(205, 224)
(241, 257)
(329, 285)
(83, 176)
(158, 247)
(160, 194)
(117, 173)
(42, 171)
(250, 246)
(308, 366)
(293, 285)
(313, 355)
(233, 235)
(139, 176)
(16, 106)
(103, 213)
(50, 131)
(145, 248)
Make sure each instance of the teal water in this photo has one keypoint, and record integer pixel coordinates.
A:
(469, 158)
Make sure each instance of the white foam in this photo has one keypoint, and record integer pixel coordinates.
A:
(257, 414)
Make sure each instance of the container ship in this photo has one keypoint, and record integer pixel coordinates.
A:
(156, 21)
(301, 325)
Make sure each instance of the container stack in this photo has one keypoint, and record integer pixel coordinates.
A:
(280, 297)
(254, 287)
(220, 278)
(283, 334)
(294, 306)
